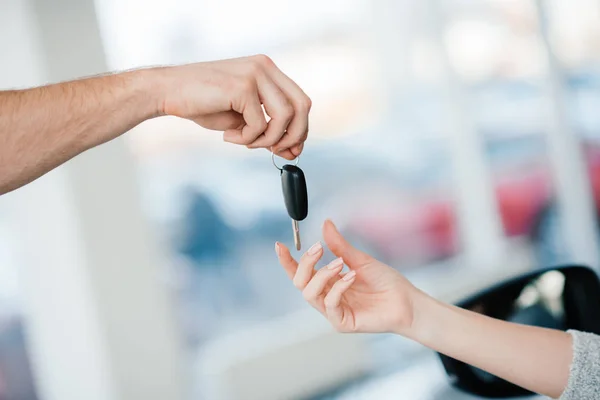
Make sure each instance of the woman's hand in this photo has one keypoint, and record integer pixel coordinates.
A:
(371, 297)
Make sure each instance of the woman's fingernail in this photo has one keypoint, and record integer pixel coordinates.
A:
(277, 249)
(327, 221)
(336, 264)
(315, 248)
(349, 276)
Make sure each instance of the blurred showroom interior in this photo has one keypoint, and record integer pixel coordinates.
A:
(457, 141)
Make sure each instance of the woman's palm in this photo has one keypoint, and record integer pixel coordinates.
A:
(377, 301)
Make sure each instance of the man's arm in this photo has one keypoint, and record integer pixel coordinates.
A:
(43, 127)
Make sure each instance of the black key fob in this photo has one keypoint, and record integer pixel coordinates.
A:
(295, 195)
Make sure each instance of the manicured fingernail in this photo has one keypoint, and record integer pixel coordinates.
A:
(315, 248)
(349, 276)
(277, 249)
(336, 264)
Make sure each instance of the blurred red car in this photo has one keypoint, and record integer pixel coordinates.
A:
(420, 226)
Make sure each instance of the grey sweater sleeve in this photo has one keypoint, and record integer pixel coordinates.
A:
(584, 380)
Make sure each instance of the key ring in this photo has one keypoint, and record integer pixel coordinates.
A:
(277, 166)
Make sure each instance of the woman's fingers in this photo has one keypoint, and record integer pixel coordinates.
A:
(306, 266)
(339, 246)
(313, 284)
(300, 273)
(333, 300)
(313, 292)
(286, 260)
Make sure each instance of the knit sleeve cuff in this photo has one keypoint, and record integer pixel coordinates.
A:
(584, 378)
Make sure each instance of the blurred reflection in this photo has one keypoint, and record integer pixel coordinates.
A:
(539, 303)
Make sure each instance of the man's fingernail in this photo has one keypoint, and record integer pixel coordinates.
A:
(335, 264)
(349, 276)
(296, 150)
(277, 249)
(315, 248)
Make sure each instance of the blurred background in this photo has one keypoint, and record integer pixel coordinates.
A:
(456, 140)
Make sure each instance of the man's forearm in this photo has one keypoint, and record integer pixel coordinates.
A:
(535, 358)
(43, 127)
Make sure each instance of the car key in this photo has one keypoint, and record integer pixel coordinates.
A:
(295, 196)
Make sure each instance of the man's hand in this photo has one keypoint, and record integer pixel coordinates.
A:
(43, 127)
(229, 96)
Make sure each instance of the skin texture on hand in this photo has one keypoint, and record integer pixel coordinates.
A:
(374, 297)
(41, 128)
(229, 96)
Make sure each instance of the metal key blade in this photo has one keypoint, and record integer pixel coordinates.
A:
(296, 229)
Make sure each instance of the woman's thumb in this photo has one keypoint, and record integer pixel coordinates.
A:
(341, 248)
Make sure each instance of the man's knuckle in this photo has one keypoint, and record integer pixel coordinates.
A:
(263, 60)
(304, 136)
(262, 125)
(305, 104)
(247, 140)
(247, 84)
(286, 111)
(253, 69)
(270, 142)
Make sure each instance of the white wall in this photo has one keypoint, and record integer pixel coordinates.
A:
(99, 321)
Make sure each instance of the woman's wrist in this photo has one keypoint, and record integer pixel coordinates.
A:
(426, 313)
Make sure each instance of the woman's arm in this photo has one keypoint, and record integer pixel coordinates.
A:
(373, 297)
(535, 358)
(43, 127)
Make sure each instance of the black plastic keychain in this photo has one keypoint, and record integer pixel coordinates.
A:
(295, 195)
